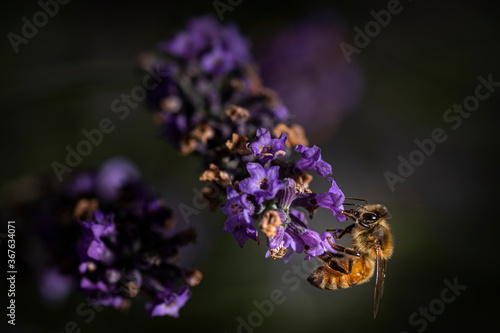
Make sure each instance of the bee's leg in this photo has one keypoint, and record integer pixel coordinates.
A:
(338, 233)
(343, 249)
(330, 260)
(333, 264)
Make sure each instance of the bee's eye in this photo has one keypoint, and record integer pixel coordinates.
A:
(370, 217)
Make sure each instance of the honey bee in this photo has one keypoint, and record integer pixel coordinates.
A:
(371, 247)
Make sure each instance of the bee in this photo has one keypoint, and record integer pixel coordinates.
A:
(371, 247)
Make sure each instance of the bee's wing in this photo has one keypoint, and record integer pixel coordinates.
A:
(379, 279)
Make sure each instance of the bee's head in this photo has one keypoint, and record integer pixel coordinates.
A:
(369, 215)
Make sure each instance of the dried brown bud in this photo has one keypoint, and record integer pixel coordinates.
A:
(91, 267)
(131, 289)
(192, 276)
(212, 196)
(215, 175)
(302, 182)
(278, 252)
(269, 222)
(295, 134)
(152, 259)
(85, 208)
(171, 104)
(125, 306)
(187, 144)
(185, 237)
(253, 77)
(238, 145)
(203, 132)
(158, 118)
(237, 84)
(238, 114)
(270, 97)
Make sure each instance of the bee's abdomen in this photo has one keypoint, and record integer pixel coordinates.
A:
(324, 277)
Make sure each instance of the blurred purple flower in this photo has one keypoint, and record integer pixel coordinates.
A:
(306, 67)
(113, 176)
(107, 232)
(218, 62)
(206, 70)
(54, 286)
(168, 303)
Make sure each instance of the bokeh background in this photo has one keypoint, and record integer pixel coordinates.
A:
(396, 91)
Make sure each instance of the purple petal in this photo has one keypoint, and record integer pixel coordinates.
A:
(256, 170)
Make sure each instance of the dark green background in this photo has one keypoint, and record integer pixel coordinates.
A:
(427, 59)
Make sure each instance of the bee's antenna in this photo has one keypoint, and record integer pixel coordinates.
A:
(353, 204)
(358, 199)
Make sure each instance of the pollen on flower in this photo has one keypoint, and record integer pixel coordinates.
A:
(235, 209)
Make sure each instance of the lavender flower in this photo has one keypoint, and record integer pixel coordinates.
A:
(239, 222)
(122, 233)
(168, 302)
(207, 72)
(311, 160)
(212, 102)
(303, 63)
(333, 200)
(218, 62)
(267, 149)
(263, 184)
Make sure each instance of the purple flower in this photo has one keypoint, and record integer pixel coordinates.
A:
(91, 245)
(311, 160)
(333, 200)
(218, 62)
(113, 176)
(282, 240)
(239, 222)
(80, 185)
(316, 244)
(123, 235)
(267, 149)
(168, 302)
(284, 237)
(102, 293)
(325, 86)
(264, 184)
(54, 286)
(236, 44)
(183, 45)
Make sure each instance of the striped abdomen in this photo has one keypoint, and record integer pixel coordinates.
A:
(324, 277)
